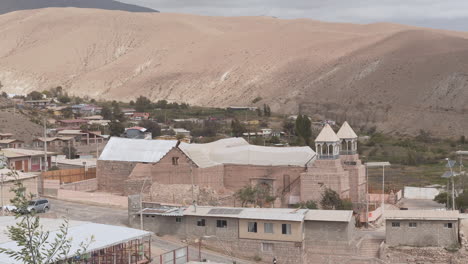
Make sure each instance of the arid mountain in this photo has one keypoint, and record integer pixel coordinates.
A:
(401, 78)
(7, 6)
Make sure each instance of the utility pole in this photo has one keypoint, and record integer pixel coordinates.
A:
(45, 144)
(141, 204)
(1, 195)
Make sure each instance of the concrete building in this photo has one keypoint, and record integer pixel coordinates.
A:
(11, 143)
(8, 180)
(290, 235)
(137, 133)
(26, 160)
(421, 228)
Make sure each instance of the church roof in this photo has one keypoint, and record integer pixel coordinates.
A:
(327, 135)
(346, 131)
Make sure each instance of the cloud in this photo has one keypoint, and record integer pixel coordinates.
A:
(431, 13)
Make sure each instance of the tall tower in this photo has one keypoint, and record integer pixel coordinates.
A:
(327, 170)
(327, 144)
(351, 163)
(348, 139)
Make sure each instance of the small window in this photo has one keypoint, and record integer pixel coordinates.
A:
(175, 160)
(286, 229)
(395, 224)
(221, 223)
(201, 222)
(252, 228)
(413, 224)
(448, 225)
(178, 219)
(268, 228)
(267, 247)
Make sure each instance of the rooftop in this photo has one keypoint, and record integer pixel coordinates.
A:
(327, 135)
(8, 141)
(104, 235)
(346, 132)
(239, 151)
(61, 159)
(273, 214)
(16, 153)
(421, 215)
(73, 121)
(136, 150)
(8, 175)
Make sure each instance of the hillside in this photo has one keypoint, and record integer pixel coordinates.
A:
(7, 6)
(401, 78)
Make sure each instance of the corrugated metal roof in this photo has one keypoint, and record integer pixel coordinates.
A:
(329, 215)
(104, 235)
(278, 214)
(327, 135)
(136, 150)
(346, 132)
(421, 215)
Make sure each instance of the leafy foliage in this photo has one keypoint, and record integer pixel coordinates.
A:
(258, 195)
(116, 128)
(332, 201)
(69, 152)
(37, 246)
(151, 126)
(237, 128)
(307, 205)
(35, 95)
(143, 104)
(303, 128)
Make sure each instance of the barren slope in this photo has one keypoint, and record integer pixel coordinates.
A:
(401, 78)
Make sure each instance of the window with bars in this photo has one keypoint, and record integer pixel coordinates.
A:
(413, 224)
(286, 229)
(395, 224)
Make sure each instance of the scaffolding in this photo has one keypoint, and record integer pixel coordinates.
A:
(137, 251)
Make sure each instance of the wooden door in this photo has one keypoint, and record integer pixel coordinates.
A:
(26, 165)
(18, 165)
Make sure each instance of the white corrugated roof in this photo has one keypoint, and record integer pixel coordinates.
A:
(329, 215)
(279, 214)
(346, 132)
(104, 235)
(136, 150)
(327, 135)
(239, 151)
(421, 215)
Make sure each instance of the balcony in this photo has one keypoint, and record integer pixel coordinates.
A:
(327, 157)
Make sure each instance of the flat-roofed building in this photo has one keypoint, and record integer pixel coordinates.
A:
(421, 228)
(290, 235)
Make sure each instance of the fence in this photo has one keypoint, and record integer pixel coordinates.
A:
(70, 175)
(177, 256)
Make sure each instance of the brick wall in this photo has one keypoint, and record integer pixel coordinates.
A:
(111, 175)
(357, 177)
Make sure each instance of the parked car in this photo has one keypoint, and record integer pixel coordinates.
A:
(38, 206)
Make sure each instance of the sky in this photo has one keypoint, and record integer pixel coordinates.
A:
(443, 14)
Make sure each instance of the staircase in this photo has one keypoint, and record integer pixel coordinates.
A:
(370, 247)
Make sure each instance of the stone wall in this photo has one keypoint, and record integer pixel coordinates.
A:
(322, 174)
(83, 186)
(427, 233)
(111, 175)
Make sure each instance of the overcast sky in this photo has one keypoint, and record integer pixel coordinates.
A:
(446, 14)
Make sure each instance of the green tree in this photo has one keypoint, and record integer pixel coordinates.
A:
(258, 195)
(67, 112)
(142, 104)
(35, 95)
(462, 140)
(288, 126)
(237, 128)
(116, 128)
(64, 99)
(303, 128)
(117, 112)
(332, 201)
(37, 246)
(307, 205)
(151, 126)
(69, 152)
(246, 195)
(266, 110)
(106, 113)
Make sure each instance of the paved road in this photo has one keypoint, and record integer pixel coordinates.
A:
(115, 216)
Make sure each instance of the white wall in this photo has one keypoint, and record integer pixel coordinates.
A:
(420, 193)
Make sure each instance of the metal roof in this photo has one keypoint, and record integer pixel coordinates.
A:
(329, 215)
(273, 214)
(377, 164)
(346, 132)
(104, 235)
(421, 215)
(327, 135)
(136, 150)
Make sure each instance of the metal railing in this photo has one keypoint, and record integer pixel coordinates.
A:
(327, 157)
